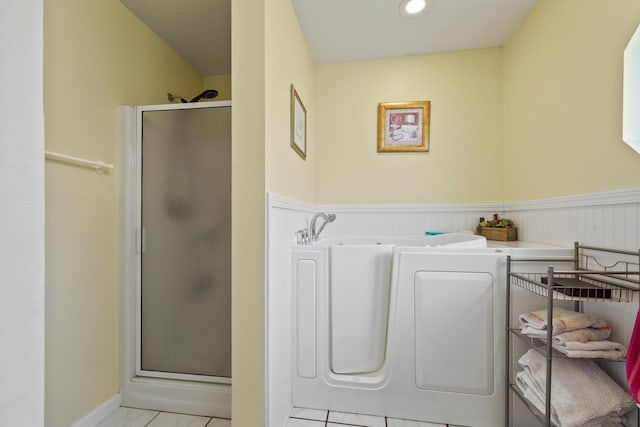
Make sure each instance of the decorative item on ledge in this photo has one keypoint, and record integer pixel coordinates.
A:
(497, 229)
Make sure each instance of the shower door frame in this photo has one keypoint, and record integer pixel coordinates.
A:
(183, 393)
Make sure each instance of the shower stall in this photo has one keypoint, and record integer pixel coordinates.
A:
(176, 258)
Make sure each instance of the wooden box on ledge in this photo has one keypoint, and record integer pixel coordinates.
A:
(499, 233)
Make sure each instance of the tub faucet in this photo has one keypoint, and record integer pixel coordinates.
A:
(327, 218)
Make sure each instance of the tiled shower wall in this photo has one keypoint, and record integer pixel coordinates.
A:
(608, 219)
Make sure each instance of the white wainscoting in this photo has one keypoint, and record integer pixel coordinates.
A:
(608, 219)
(284, 217)
(405, 219)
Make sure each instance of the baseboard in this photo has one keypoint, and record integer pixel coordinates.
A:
(100, 413)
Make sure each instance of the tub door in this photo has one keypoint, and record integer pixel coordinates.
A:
(447, 344)
(454, 331)
(360, 277)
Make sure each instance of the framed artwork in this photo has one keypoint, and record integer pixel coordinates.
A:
(403, 126)
(298, 125)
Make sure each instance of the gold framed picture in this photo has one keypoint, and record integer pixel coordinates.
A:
(403, 126)
(298, 125)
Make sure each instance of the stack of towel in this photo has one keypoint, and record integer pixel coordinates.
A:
(574, 334)
(582, 394)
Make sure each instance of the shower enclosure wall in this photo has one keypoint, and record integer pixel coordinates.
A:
(176, 257)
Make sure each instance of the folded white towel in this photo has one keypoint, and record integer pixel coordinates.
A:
(533, 332)
(600, 330)
(591, 345)
(592, 350)
(582, 394)
(612, 422)
(562, 320)
(533, 393)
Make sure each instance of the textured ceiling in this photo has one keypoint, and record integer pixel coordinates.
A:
(337, 30)
(199, 30)
(348, 30)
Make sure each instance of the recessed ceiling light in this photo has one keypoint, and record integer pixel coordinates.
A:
(413, 7)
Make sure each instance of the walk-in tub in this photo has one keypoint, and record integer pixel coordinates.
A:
(407, 328)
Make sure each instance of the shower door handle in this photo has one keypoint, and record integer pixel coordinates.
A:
(140, 237)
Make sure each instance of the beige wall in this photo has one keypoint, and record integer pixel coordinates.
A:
(287, 174)
(248, 212)
(221, 83)
(97, 56)
(464, 164)
(563, 100)
(262, 161)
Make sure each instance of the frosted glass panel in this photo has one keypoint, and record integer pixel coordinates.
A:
(186, 259)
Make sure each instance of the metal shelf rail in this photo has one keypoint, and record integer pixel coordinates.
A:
(592, 280)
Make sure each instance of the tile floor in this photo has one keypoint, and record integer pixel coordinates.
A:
(301, 417)
(131, 417)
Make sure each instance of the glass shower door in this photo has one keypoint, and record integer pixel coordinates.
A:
(185, 259)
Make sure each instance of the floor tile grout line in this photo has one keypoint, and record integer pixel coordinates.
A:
(209, 419)
(308, 419)
(350, 425)
(154, 417)
(347, 424)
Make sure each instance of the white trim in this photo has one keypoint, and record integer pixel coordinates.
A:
(614, 197)
(435, 208)
(605, 198)
(139, 231)
(183, 377)
(279, 202)
(269, 200)
(184, 106)
(99, 413)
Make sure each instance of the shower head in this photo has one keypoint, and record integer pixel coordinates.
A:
(327, 219)
(207, 94)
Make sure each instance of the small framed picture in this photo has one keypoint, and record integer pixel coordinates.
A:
(403, 126)
(298, 125)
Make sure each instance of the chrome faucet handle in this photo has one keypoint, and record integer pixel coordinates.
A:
(302, 237)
